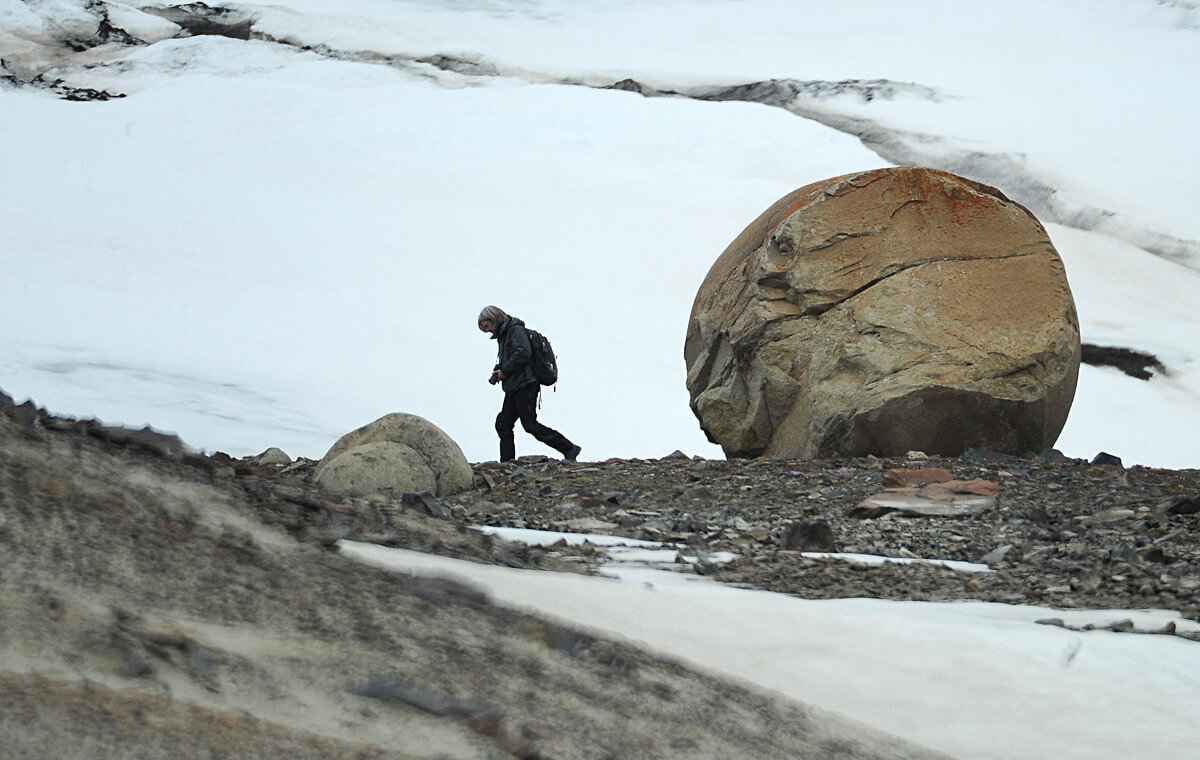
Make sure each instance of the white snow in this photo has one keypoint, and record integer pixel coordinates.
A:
(1127, 297)
(534, 537)
(875, 559)
(625, 552)
(621, 552)
(144, 26)
(1094, 99)
(979, 681)
(262, 246)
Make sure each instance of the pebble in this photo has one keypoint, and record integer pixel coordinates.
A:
(996, 555)
(809, 536)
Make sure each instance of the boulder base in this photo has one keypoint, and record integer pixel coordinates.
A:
(396, 454)
(381, 467)
(883, 312)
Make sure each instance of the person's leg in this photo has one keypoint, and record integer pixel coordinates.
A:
(504, 427)
(527, 409)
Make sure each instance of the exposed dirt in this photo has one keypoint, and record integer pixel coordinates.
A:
(1134, 363)
(155, 603)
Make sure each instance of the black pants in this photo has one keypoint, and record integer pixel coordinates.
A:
(522, 404)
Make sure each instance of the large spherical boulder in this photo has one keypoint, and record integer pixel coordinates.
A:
(883, 312)
(395, 454)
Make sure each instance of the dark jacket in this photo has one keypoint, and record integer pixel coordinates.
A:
(515, 356)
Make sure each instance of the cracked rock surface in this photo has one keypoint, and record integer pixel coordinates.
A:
(882, 312)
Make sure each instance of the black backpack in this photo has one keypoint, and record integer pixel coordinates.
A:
(545, 366)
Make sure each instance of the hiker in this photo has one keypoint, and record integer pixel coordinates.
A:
(515, 373)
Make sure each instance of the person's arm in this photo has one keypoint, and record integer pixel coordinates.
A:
(519, 355)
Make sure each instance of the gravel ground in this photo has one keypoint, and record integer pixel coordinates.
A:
(156, 603)
(1064, 534)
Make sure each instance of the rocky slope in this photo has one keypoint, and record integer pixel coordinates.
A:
(157, 603)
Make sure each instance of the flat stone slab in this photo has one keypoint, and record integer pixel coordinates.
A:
(586, 525)
(952, 498)
(904, 478)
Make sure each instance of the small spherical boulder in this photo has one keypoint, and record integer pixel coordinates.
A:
(381, 467)
(396, 454)
(884, 312)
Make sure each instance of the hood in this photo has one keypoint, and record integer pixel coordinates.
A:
(508, 325)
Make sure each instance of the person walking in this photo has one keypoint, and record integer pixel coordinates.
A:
(514, 372)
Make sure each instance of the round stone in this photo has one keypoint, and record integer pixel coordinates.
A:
(884, 312)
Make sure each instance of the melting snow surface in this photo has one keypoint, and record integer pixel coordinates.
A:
(977, 680)
(267, 246)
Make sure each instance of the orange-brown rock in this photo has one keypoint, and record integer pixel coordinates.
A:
(882, 312)
(951, 498)
(901, 478)
(956, 487)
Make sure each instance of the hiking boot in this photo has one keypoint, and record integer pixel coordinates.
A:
(573, 453)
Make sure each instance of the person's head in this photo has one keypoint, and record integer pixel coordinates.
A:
(492, 319)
